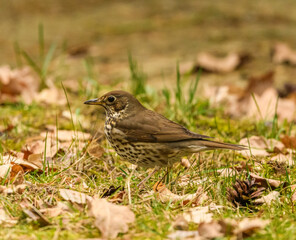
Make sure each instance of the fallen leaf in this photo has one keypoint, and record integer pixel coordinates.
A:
(200, 214)
(5, 170)
(268, 199)
(211, 63)
(266, 182)
(165, 195)
(191, 180)
(178, 235)
(284, 159)
(74, 196)
(66, 135)
(95, 149)
(52, 212)
(211, 230)
(249, 226)
(265, 106)
(35, 215)
(51, 95)
(259, 146)
(282, 53)
(226, 95)
(78, 50)
(5, 190)
(258, 85)
(17, 84)
(12, 173)
(26, 165)
(228, 172)
(5, 220)
(5, 129)
(288, 91)
(289, 141)
(180, 223)
(110, 219)
(118, 197)
(185, 162)
(39, 146)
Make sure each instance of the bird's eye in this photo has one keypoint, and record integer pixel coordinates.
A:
(111, 99)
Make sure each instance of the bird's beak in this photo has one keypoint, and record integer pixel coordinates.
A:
(95, 101)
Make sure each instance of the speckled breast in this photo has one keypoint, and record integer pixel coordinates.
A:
(141, 153)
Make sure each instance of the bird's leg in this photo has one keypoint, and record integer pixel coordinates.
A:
(165, 176)
(149, 176)
(128, 185)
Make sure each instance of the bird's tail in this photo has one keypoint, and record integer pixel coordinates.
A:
(208, 144)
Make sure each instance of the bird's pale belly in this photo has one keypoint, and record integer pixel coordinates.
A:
(141, 153)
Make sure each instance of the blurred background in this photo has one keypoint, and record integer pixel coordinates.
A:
(158, 34)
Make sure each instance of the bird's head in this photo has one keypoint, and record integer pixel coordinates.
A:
(116, 102)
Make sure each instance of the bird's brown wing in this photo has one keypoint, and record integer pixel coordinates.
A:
(148, 126)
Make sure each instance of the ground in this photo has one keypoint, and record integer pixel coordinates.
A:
(81, 50)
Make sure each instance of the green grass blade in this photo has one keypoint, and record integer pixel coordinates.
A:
(32, 63)
(47, 60)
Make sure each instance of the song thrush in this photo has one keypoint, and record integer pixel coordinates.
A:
(146, 138)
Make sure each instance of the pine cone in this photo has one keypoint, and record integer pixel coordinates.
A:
(243, 193)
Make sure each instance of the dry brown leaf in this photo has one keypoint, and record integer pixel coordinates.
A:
(266, 182)
(248, 226)
(228, 95)
(265, 106)
(212, 63)
(258, 84)
(188, 180)
(227, 172)
(289, 141)
(12, 173)
(51, 95)
(165, 195)
(268, 199)
(110, 219)
(180, 223)
(179, 235)
(185, 162)
(38, 146)
(74, 196)
(282, 53)
(288, 91)
(26, 165)
(35, 215)
(5, 190)
(16, 84)
(66, 135)
(95, 149)
(284, 159)
(5, 220)
(262, 105)
(5, 170)
(52, 212)
(211, 230)
(200, 214)
(258, 146)
(118, 197)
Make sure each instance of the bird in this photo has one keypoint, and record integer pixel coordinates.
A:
(147, 138)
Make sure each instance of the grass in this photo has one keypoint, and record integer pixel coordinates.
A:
(154, 218)
(177, 99)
